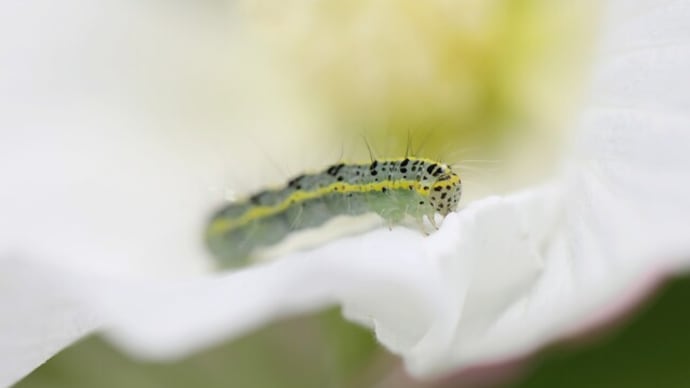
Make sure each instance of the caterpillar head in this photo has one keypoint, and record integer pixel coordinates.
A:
(445, 192)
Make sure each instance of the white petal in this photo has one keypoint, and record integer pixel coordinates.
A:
(507, 275)
(38, 317)
(112, 153)
(167, 318)
(501, 278)
(109, 161)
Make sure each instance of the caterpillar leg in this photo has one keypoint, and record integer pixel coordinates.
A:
(432, 220)
(420, 223)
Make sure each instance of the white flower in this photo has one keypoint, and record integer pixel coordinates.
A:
(104, 196)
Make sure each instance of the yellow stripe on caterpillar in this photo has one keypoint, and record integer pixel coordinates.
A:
(392, 188)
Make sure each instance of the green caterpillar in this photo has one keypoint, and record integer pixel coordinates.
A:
(392, 188)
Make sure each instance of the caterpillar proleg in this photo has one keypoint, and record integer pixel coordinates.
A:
(391, 188)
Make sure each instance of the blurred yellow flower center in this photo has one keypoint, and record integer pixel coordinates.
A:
(456, 74)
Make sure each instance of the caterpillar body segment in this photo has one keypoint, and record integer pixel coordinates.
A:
(392, 188)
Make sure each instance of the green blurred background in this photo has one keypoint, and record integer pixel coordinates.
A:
(652, 348)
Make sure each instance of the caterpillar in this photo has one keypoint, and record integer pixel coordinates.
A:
(391, 188)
